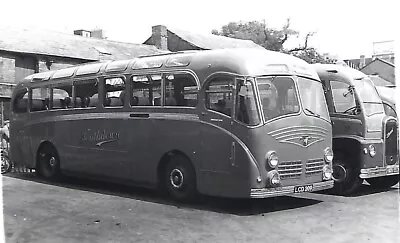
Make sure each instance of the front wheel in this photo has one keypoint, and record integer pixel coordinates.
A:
(180, 179)
(345, 175)
(384, 182)
(48, 163)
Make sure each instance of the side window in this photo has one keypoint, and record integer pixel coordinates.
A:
(114, 88)
(40, 99)
(389, 110)
(146, 90)
(246, 108)
(21, 103)
(61, 97)
(86, 93)
(219, 95)
(343, 96)
(180, 90)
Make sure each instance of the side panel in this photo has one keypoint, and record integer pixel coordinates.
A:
(100, 144)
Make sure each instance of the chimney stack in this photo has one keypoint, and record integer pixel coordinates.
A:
(97, 33)
(160, 37)
(362, 61)
(84, 33)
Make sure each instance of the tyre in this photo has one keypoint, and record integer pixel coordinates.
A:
(345, 175)
(180, 179)
(48, 163)
(384, 182)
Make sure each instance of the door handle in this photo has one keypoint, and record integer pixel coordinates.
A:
(139, 115)
(216, 120)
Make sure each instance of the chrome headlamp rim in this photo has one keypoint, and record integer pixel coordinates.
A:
(372, 150)
(328, 155)
(273, 175)
(272, 159)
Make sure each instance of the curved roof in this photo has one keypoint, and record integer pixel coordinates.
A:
(243, 61)
(338, 71)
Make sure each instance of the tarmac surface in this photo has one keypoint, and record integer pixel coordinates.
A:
(78, 210)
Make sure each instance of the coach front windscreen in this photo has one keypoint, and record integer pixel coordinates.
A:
(279, 97)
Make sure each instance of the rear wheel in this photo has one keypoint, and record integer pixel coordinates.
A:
(345, 174)
(384, 182)
(48, 163)
(180, 179)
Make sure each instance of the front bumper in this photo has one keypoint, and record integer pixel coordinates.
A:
(379, 171)
(280, 191)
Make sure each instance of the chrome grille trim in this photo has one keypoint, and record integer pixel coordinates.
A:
(290, 169)
(314, 166)
(390, 143)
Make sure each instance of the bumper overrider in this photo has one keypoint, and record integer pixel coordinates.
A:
(379, 171)
(285, 190)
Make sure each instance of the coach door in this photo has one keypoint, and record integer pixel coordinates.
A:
(217, 142)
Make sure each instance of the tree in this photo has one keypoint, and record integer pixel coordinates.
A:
(271, 39)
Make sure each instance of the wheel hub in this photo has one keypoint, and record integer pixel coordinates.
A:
(176, 178)
(339, 173)
(52, 161)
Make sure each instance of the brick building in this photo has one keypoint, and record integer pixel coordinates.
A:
(178, 40)
(375, 66)
(23, 52)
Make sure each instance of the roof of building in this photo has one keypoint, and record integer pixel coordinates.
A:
(355, 63)
(210, 41)
(51, 43)
(378, 60)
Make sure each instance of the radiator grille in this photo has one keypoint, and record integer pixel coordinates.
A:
(290, 169)
(390, 138)
(314, 167)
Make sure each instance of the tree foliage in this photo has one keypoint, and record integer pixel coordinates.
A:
(272, 39)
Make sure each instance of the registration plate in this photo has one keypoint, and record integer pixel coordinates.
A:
(306, 188)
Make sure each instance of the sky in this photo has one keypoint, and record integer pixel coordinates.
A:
(343, 28)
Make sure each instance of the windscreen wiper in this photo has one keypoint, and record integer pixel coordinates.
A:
(312, 112)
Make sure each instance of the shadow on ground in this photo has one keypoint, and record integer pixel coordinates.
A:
(364, 190)
(241, 207)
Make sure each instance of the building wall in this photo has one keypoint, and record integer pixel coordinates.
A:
(14, 68)
(55, 65)
(7, 68)
(384, 70)
(164, 39)
(175, 43)
(24, 66)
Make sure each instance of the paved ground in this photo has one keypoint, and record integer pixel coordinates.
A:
(87, 211)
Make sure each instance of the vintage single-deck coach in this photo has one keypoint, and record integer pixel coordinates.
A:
(365, 139)
(232, 123)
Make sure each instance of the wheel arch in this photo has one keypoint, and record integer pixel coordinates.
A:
(42, 145)
(166, 158)
(349, 147)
